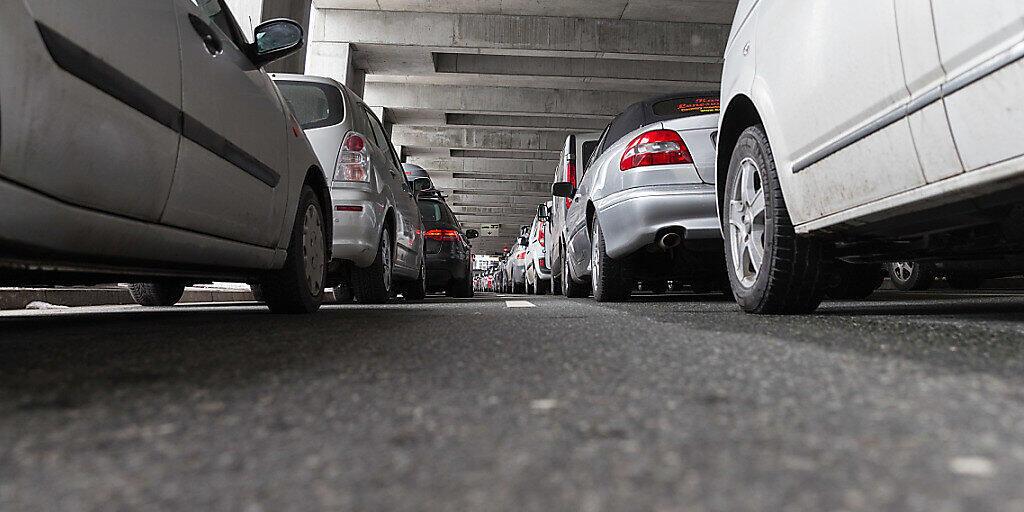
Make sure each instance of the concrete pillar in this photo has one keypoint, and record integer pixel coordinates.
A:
(299, 11)
(335, 60)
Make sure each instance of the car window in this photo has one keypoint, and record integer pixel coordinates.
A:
(595, 154)
(430, 211)
(382, 140)
(588, 150)
(678, 108)
(314, 105)
(218, 13)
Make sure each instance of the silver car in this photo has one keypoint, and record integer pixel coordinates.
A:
(575, 155)
(142, 141)
(378, 232)
(644, 209)
(538, 274)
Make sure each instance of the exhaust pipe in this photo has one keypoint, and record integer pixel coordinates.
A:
(669, 240)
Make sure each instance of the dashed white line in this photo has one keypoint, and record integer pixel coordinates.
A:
(519, 304)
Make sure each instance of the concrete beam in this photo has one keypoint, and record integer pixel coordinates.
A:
(542, 188)
(336, 61)
(504, 153)
(560, 124)
(458, 137)
(501, 100)
(687, 74)
(597, 37)
(495, 165)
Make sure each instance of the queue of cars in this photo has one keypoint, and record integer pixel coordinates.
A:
(902, 156)
(845, 140)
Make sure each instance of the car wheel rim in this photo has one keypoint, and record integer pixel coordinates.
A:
(595, 259)
(747, 223)
(903, 270)
(313, 249)
(385, 258)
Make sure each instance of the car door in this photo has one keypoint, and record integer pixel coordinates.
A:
(407, 213)
(231, 176)
(576, 217)
(980, 44)
(99, 115)
(565, 171)
(924, 75)
(833, 80)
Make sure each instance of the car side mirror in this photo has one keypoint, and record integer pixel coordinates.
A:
(542, 212)
(275, 39)
(421, 184)
(472, 233)
(562, 189)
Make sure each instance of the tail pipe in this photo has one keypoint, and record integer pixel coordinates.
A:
(669, 240)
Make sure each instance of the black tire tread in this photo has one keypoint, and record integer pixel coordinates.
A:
(156, 294)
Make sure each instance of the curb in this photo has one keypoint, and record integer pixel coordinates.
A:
(19, 298)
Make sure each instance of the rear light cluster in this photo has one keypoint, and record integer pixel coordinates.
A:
(658, 147)
(521, 255)
(353, 159)
(570, 176)
(442, 235)
(543, 264)
(540, 234)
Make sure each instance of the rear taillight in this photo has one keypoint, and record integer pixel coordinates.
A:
(442, 235)
(540, 234)
(521, 255)
(353, 159)
(570, 176)
(658, 147)
(543, 263)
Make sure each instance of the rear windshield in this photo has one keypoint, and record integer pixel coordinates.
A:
(432, 211)
(314, 105)
(685, 107)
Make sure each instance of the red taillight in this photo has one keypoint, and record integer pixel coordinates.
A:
(520, 255)
(442, 235)
(570, 176)
(343, 208)
(658, 147)
(543, 264)
(353, 159)
(540, 234)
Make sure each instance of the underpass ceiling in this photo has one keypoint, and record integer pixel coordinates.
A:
(482, 93)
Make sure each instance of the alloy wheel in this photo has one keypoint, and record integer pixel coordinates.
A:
(903, 270)
(747, 223)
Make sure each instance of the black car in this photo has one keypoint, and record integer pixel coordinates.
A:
(449, 256)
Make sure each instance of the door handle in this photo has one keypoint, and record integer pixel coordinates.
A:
(210, 39)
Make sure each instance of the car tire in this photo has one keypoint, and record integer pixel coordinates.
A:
(374, 284)
(417, 290)
(298, 287)
(257, 292)
(159, 294)
(343, 294)
(570, 288)
(911, 275)
(854, 281)
(608, 282)
(519, 288)
(790, 277)
(543, 286)
(657, 287)
(964, 281)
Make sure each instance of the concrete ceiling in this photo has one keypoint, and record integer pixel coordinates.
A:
(482, 93)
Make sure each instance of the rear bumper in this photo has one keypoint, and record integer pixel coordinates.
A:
(631, 219)
(443, 268)
(543, 272)
(356, 233)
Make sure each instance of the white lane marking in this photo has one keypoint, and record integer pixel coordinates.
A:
(543, 404)
(972, 466)
(519, 304)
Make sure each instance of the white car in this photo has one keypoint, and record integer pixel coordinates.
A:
(854, 133)
(142, 141)
(538, 273)
(378, 232)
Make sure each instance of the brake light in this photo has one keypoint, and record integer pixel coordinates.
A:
(520, 255)
(442, 235)
(345, 208)
(543, 264)
(353, 159)
(570, 176)
(658, 147)
(540, 234)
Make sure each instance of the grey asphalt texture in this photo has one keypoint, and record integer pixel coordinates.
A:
(681, 402)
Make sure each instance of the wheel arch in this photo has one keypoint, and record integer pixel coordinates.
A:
(315, 179)
(740, 114)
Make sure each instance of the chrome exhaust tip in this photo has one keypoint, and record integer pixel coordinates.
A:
(669, 240)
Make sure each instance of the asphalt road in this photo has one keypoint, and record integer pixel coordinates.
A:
(664, 403)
